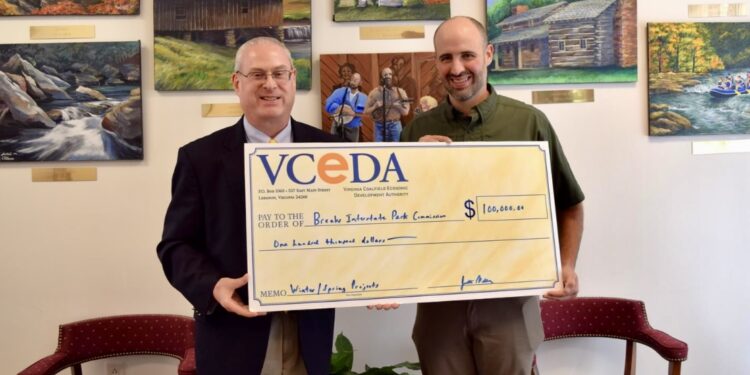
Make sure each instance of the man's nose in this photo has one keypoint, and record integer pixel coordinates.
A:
(269, 82)
(457, 67)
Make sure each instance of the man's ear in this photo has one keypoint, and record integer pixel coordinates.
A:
(236, 82)
(490, 52)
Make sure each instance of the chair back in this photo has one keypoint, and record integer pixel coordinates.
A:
(91, 339)
(114, 336)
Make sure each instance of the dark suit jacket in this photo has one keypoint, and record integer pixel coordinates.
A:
(204, 240)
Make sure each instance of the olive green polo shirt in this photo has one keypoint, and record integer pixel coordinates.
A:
(499, 118)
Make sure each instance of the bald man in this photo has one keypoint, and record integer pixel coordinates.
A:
(490, 336)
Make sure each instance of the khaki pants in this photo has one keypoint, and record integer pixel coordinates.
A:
(479, 337)
(283, 356)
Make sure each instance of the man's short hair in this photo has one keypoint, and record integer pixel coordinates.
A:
(260, 39)
(473, 21)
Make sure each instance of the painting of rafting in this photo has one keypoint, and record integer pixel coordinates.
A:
(699, 78)
(70, 102)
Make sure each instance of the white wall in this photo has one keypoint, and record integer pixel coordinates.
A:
(662, 225)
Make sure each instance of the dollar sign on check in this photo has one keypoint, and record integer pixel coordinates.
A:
(470, 211)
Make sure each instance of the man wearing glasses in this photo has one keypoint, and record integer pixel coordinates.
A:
(203, 247)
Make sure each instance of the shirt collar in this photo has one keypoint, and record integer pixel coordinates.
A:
(480, 113)
(254, 135)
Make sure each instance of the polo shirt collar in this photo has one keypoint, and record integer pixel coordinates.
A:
(481, 113)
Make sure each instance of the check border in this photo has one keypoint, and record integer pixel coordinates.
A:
(532, 287)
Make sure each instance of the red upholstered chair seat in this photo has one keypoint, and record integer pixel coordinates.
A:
(611, 317)
(87, 340)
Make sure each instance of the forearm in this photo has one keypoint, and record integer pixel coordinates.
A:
(190, 272)
(403, 106)
(332, 103)
(331, 107)
(570, 229)
(371, 106)
(404, 109)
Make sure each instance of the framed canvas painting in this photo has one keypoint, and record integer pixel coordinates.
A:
(68, 7)
(554, 41)
(195, 41)
(70, 101)
(352, 85)
(699, 78)
(390, 10)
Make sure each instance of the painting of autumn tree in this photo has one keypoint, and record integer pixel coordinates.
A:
(684, 47)
(68, 7)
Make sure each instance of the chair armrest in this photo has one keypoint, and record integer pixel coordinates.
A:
(50, 364)
(187, 364)
(663, 343)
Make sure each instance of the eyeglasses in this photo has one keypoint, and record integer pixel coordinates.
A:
(279, 76)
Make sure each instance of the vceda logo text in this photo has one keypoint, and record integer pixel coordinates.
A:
(333, 168)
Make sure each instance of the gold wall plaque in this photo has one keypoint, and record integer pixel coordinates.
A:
(717, 10)
(721, 147)
(391, 32)
(697, 10)
(736, 10)
(62, 174)
(221, 110)
(562, 96)
(63, 32)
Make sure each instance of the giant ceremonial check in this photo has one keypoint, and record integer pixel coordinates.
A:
(333, 225)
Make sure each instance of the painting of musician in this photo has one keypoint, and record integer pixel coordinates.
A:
(387, 104)
(346, 105)
(389, 83)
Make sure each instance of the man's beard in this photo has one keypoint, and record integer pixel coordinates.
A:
(464, 93)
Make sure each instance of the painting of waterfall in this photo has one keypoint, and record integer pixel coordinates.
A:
(70, 101)
(698, 78)
(195, 41)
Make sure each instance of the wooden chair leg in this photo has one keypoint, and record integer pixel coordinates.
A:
(674, 367)
(629, 357)
(76, 369)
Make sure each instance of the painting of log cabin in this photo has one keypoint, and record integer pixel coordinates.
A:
(195, 40)
(413, 72)
(68, 7)
(698, 78)
(70, 102)
(390, 10)
(554, 41)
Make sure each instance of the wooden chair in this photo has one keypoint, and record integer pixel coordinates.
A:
(617, 318)
(114, 336)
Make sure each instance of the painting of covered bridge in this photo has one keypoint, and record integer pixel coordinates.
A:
(196, 40)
